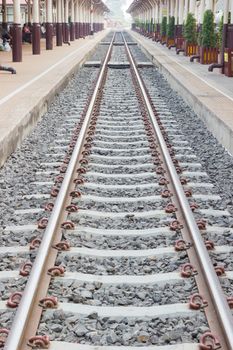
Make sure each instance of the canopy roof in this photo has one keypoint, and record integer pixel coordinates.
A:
(97, 4)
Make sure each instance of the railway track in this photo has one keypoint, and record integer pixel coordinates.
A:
(123, 260)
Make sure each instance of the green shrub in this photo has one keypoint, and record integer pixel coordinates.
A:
(171, 28)
(208, 34)
(199, 38)
(163, 28)
(220, 33)
(190, 29)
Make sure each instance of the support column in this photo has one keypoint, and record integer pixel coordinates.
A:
(225, 29)
(78, 14)
(63, 19)
(98, 27)
(181, 12)
(172, 9)
(59, 24)
(92, 19)
(176, 12)
(72, 23)
(186, 9)
(202, 10)
(80, 21)
(4, 15)
(99, 22)
(35, 28)
(76, 19)
(86, 20)
(83, 22)
(17, 34)
(192, 6)
(49, 25)
(66, 21)
(226, 12)
(209, 5)
(231, 9)
(89, 15)
(168, 10)
(29, 11)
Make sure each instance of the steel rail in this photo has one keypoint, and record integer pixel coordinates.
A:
(219, 299)
(19, 325)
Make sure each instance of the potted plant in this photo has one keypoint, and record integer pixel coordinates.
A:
(163, 30)
(190, 35)
(171, 31)
(157, 32)
(150, 28)
(220, 33)
(208, 38)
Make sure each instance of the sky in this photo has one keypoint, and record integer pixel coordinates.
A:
(124, 6)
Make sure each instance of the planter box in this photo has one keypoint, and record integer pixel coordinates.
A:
(179, 42)
(190, 49)
(170, 42)
(159, 37)
(228, 62)
(208, 55)
(163, 39)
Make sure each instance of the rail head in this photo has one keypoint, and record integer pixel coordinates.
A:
(212, 281)
(16, 334)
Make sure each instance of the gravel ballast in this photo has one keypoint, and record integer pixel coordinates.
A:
(113, 239)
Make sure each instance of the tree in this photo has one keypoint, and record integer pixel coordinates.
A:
(171, 28)
(208, 36)
(220, 33)
(190, 29)
(163, 28)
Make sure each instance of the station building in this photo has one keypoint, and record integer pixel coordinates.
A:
(202, 30)
(67, 20)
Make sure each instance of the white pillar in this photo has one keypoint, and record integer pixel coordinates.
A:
(168, 10)
(92, 18)
(172, 9)
(35, 11)
(72, 10)
(186, 9)
(66, 11)
(192, 6)
(75, 12)
(209, 5)
(181, 12)
(226, 11)
(59, 19)
(17, 16)
(160, 13)
(176, 12)
(49, 11)
(62, 11)
(156, 13)
(231, 9)
(80, 13)
(84, 14)
(202, 11)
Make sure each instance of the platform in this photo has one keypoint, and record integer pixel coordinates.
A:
(25, 97)
(209, 94)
